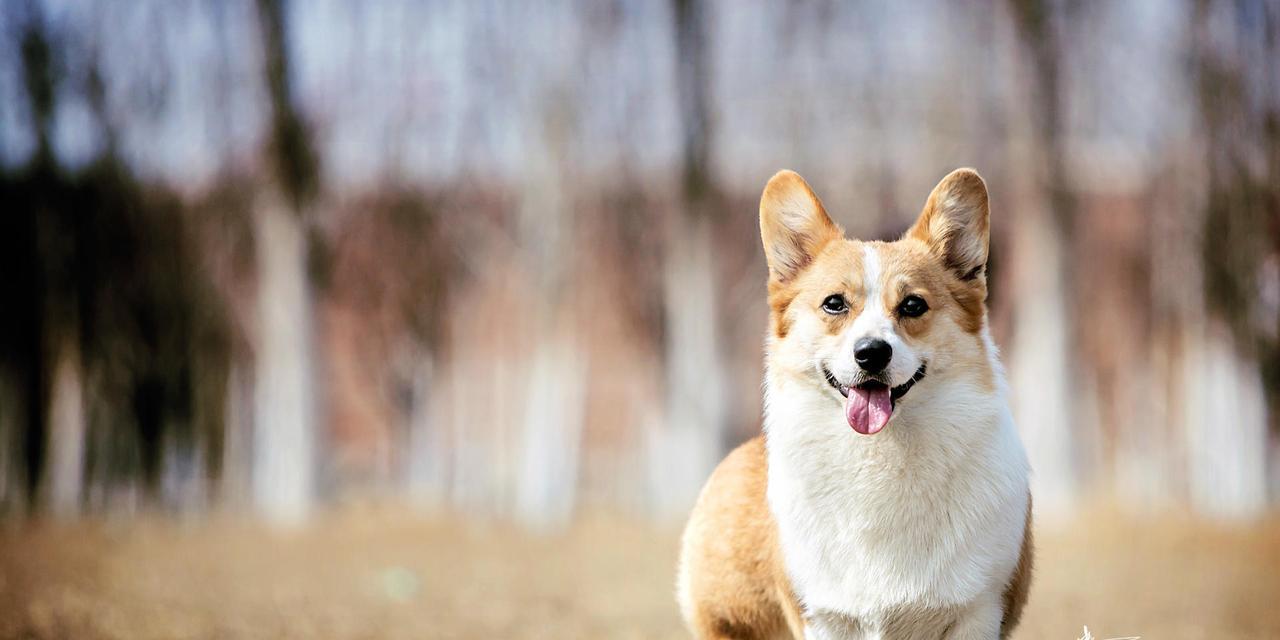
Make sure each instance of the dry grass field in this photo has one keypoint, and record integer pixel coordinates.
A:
(366, 573)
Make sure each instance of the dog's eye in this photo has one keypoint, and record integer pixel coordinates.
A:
(913, 306)
(835, 305)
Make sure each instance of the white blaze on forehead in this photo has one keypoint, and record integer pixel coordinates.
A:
(873, 321)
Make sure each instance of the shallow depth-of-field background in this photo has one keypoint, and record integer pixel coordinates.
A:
(323, 318)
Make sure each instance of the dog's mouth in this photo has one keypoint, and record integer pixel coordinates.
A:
(869, 401)
(874, 383)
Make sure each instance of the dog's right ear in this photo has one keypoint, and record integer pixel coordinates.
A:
(793, 225)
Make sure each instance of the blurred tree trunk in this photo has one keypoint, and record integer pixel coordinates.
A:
(1231, 350)
(1270, 267)
(1048, 403)
(555, 373)
(284, 393)
(29, 279)
(11, 410)
(64, 472)
(47, 333)
(284, 415)
(555, 401)
(427, 452)
(690, 441)
(236, 480)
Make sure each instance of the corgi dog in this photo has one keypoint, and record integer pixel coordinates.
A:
(888, 496)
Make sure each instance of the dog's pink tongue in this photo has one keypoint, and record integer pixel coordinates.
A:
(868, 411)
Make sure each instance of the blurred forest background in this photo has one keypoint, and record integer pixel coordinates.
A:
(500, 259)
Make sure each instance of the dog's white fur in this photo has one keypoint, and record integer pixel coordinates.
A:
(912, 532)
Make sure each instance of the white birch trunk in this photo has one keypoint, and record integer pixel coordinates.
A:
(545, 452)
(1225, 426)
(284, 409)
(1144, 468)
(683, 453)
(1040, 367)
(64, 472)
(553, 420)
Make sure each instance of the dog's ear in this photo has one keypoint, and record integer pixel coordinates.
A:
(793, 225)
(955, 224)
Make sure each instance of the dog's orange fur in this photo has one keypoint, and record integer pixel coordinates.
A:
(1015, 595)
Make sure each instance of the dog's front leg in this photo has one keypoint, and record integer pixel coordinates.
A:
(979, 621)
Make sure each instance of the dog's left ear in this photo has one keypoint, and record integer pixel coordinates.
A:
(955, 224)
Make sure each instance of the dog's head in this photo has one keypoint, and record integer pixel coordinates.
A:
(865, 327)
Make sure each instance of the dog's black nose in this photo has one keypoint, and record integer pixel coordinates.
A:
(872, 354)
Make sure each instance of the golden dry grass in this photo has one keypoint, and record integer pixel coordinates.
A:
(380, 573)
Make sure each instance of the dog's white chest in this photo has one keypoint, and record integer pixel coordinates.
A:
(898, 529)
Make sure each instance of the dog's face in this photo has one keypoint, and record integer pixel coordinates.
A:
(863, 324)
